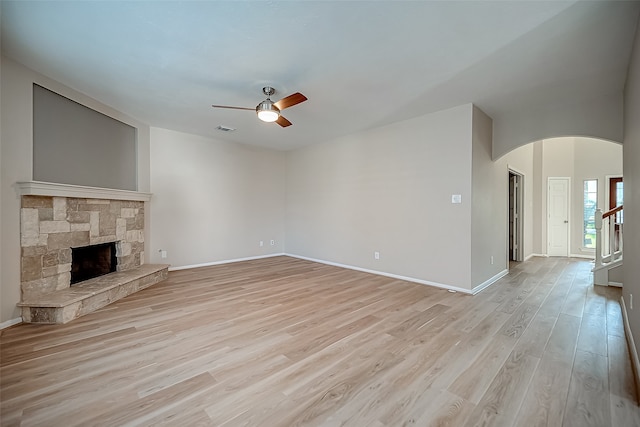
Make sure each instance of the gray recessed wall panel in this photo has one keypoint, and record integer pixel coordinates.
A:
(73, 144)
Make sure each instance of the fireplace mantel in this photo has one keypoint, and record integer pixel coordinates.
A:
(38, 188)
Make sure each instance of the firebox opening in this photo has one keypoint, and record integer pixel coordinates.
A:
(92, 261)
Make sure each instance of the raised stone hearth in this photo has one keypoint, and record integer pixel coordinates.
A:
(88, 296)
(54, 218)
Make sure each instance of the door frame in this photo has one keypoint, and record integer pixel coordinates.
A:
(607, 191)
(519, 202)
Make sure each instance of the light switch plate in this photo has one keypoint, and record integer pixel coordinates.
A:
(456, 198)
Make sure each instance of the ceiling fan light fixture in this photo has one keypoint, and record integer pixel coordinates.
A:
(267, 112)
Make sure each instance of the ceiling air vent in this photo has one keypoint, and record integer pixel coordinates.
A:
(225, 129)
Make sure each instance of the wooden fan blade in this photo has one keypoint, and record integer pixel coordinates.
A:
(233, 108)
(290, 101)
(283, 122)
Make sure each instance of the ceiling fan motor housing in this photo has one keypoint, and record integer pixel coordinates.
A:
(267, 111)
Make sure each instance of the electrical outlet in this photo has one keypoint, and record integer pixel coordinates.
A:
(261, 243)
(376, 255)
(273, 242)
(163, 254)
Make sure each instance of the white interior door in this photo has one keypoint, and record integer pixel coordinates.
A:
(558, 217)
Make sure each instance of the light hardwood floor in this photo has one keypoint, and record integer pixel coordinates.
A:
(285, 342)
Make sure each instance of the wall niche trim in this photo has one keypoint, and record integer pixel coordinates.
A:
(39, 188)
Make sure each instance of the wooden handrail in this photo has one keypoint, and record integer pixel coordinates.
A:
(612, 212)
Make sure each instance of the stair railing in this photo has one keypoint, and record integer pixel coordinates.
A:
(609, 225)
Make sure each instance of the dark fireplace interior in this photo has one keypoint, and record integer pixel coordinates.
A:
(88, 262)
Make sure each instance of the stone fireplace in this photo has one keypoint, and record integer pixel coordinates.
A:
(54, 223)
(51, 226)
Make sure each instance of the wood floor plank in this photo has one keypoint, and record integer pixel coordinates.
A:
(474, 316)
(519, 321)
(499, 406)
(574, 303)
(523, 292)
(437, 408)
(624, 401)
(59, 382)
(593, 333)
(538, 296)
(588, 402)
(283, 342)
(473, 382)
(596, 301)
(615, 325)
(545, 401)
(534, 339)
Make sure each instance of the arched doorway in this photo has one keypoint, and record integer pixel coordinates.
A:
(585, 161)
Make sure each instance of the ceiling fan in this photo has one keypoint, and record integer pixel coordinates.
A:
(269, 111)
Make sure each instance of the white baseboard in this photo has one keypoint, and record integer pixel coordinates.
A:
(616, 284)
(11, 322)
(489, 282)
(226, 261)
(382, 273)
(635, 362)
(591, 257)
(532, 255)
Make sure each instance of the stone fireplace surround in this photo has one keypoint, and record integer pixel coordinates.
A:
(56, 217)
(51, 226)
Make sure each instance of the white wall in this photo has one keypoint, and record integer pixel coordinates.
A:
(388, 190)
(213, 200)
(489, 210)
(631, 149)
(16, 164)
(598, 118)
(2, 190)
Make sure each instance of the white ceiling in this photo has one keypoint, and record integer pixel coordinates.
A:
(361, 64)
